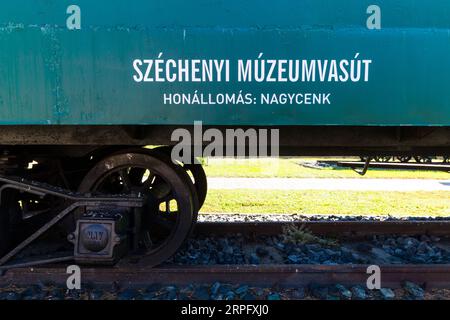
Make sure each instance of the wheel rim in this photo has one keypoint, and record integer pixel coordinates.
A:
(197, 173)
(200, 181)
(167, 214)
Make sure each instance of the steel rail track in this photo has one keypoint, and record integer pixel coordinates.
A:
(431, 275)
(330, 228)
(395, 165)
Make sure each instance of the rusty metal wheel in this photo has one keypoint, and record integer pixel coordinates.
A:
(166, 218)
(180, 170)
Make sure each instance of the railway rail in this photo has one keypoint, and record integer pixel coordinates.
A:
(279, 275)
(393, 276)
(331, 228)
(395, 165)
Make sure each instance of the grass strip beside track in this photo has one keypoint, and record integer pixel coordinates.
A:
(313, 202)
(293, 168)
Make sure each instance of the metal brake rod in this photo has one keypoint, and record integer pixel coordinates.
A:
(36, 263)
(41, 230)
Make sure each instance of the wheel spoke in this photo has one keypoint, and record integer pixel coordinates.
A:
(167, 206)
(165, 198)
(146, 239)
(162, 222)
(147, 183)
(124, 177)
(135, 175)
(160, 190)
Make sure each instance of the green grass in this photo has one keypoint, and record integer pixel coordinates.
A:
(291, 168)
(329, 202)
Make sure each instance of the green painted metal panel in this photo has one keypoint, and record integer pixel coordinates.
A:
(52, 75)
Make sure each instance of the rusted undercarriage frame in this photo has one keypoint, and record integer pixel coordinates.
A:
(73, 200)
(294, 140)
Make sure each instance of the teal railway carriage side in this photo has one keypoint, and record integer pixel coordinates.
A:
(237, 63)
(85, 85)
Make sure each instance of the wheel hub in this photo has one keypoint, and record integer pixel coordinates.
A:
(101, 237)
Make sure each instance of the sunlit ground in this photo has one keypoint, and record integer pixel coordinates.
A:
(298, 168)
(312, 202)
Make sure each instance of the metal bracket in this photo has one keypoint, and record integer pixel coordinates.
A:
(364, 169)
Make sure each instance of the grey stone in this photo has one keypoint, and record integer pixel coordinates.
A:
(248, 296)
(115, 287)
(229, 295)
(153, 288)
(294, 258)
(419, 259)
(11, 295)
(262, 252)
(241, 290)
(382, 256)
(170, 288)
(358, 258)
(387, 294)
(254, 259)
(413, 289)
(435, 239)
(43, 285)
(363, 247)
(95, 295)
(56, 294)
(73, 295)
(259, 292)
(215, 288)
(408, 242)
(319, 291)
(359, 293)
(201, 293)
(344, 292)
(31, 292)
(148, 296)
(129, 294)
(423, 248)
(298, 293)
(411, 250)
(274, 296)
(171, 294)
(37, 295)
(229, 250)
(313, 247)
